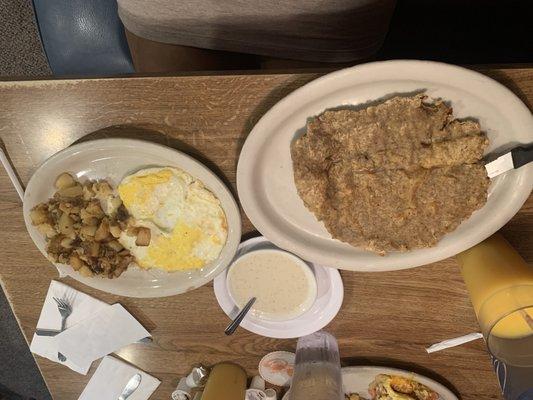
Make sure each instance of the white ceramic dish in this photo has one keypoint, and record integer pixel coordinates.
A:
(303, 266)
(113, 159)
(330, 293)
(265, 177)
(357, 379)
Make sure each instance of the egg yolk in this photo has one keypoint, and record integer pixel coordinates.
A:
(174, 252)
(139, 189)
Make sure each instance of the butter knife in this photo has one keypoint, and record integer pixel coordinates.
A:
(130, 387)
(516, 158)
(47, 332)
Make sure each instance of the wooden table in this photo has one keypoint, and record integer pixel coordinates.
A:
(387, 318)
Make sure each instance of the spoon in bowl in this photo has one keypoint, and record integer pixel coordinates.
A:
(240, 316)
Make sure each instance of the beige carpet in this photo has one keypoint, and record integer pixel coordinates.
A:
(21, 55)
(21, 52)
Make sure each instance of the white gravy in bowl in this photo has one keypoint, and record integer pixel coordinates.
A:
(284, 285)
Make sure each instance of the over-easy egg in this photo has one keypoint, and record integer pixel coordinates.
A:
(187, 223)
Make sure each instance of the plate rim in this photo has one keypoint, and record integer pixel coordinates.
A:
(112, 142)
(275, 233)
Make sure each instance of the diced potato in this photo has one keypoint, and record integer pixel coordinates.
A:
(143, 237)
(76, 227)
(115, 230)
(47, 230)
(91, 221)
(113, 205)
(103, 189)
(65, 206)
(95, 209)
(54, 245)
(66, 243)
(88, 192)
(69, 208)
(115, 245)
(132, 231)
(38, 215)
(94, 249)
(85, 271)
(65, 225)
(88, 230)
(64, 180)
(85, 215)
(71, 191)
(103, 231)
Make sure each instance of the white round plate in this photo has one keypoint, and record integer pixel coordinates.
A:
(357, 379)
(330, 293)
(112, 159)
(265, 178)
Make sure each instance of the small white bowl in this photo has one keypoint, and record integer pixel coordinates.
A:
(304, 267)
(330, 293)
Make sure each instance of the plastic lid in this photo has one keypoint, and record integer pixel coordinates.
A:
(277, 368)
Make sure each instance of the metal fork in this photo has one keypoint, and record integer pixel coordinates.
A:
(65, 310)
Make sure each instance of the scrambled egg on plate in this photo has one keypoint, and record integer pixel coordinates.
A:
(187, 223)
(394, 387)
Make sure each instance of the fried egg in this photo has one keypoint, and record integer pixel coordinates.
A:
(187, 223)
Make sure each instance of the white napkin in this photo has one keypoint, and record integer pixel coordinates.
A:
(109, 330)
(83, 306)
(112, 376)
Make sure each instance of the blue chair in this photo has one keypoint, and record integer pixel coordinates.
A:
(83, 37)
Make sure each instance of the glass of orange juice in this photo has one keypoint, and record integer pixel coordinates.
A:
(500, 284)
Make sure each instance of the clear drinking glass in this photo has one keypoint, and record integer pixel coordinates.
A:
(500, 284)
(317, 371)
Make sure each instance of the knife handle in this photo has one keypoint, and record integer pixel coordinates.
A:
(47, 332)
(522, 156)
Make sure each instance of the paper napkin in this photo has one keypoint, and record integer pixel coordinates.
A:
(83, 307)
(107, 331)
(93, 330)
(110, 378)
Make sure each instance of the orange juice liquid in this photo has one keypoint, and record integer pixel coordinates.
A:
(227, 381)
(500, 284)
